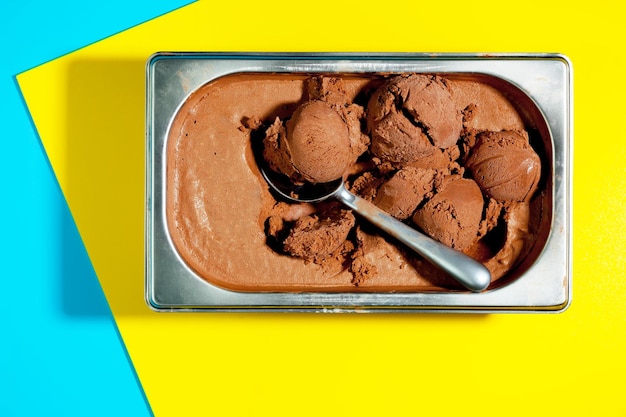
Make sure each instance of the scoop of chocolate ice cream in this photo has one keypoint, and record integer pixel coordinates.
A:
(453, 215)
(314, 144)
(402, 193)
(505, 166)
(332, 90)
(409, 115)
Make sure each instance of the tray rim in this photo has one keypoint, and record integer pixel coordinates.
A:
(345, 302)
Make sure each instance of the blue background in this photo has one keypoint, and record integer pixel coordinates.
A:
(60, 351)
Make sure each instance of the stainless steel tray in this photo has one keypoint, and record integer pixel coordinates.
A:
(544, 286)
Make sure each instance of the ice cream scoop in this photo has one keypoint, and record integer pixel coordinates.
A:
(313, 146)
(411, 115)
(505, 166)
(470, 273)
(453, 215)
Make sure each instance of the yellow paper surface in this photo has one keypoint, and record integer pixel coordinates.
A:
(89, 110)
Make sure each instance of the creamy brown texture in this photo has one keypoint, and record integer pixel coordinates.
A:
(453, 214)
(230, 229)
(405, 190)
(410, 115)
(314, 145)
(505, 166)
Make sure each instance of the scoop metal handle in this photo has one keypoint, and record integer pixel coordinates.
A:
(470, 273)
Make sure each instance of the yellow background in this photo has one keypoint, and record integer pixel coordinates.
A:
(88, 108)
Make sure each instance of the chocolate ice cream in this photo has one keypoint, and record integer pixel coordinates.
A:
(411, 114)
(320, 235)
(403, 192)
(453, 215)
(505, 165)
(321, 140)
(230, 229)
(314, 145)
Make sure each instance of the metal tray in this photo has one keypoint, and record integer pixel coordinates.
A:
(544, 285)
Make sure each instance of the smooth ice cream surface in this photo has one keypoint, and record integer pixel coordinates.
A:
(505, 165)
(402, 193)
(321, 139)
(453, 215)
(318, 142)
(403, 142)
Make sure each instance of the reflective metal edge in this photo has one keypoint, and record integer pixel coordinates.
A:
(545, 287)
